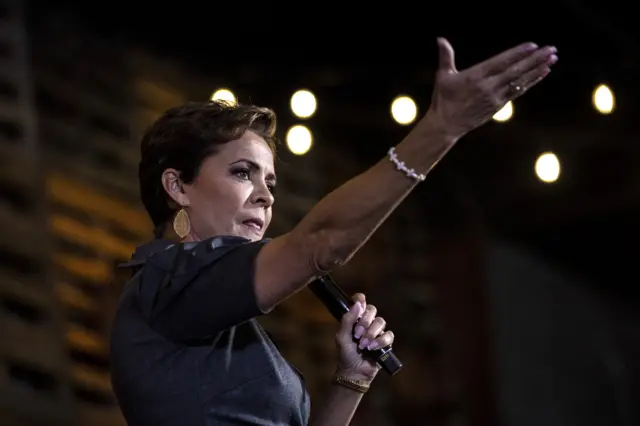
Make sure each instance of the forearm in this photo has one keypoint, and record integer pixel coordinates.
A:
(338, 409)
(345, 219)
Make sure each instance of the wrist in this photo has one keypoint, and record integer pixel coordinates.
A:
(351, 384)
(354, 375)
(426, 144)
(432, 127)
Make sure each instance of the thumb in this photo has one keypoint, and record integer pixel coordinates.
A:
(349, 320)
(446, 58)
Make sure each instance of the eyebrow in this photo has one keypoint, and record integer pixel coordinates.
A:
(255, 166)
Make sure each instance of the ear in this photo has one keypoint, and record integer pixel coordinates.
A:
(174, 188)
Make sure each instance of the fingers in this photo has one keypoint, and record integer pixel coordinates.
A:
(369, 327)
(522, 75)
(348, 322)
(540, 61)
(446, 57)
(372, 332)
(362, 323)
(365, 321)
(360, 297)
(382, 341)
(525, 83)
(499, 63)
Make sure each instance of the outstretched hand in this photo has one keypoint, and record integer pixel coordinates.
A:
(464, 100)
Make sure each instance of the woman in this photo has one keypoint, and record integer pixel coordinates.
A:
(186, 347)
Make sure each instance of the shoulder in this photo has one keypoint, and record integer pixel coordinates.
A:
(167, 255)
(173, 268)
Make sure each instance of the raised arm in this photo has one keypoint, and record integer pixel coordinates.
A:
(344, 220)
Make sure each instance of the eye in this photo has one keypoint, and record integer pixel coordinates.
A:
(243, 173)
(272, 188)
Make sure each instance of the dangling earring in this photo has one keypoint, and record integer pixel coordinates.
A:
(182, 224)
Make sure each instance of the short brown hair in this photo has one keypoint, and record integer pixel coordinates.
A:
(183, 137)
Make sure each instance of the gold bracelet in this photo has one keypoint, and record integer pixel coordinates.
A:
(355, 385)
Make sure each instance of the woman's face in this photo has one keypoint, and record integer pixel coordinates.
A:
(233, 192)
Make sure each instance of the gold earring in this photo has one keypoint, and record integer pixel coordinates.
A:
(182, 224)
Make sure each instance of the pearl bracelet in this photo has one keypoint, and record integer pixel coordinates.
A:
(411, 173)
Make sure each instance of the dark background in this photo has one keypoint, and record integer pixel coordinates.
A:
(514, 302)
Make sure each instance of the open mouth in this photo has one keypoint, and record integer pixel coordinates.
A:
(255, 224)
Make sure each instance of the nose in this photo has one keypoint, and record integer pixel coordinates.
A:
(263, 196)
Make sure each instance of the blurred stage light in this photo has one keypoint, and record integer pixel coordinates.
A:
(303, 103)
(548, 167)
(404, 110)
(224, 95)
(603, 99)
(505, 113)
(299, 139)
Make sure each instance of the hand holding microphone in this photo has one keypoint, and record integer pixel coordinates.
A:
(363, 343)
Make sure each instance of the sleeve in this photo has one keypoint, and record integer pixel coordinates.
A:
(206, 297)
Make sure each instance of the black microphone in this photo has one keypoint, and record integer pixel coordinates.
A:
(338, 304)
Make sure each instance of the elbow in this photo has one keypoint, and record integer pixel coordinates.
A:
(329, 252)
